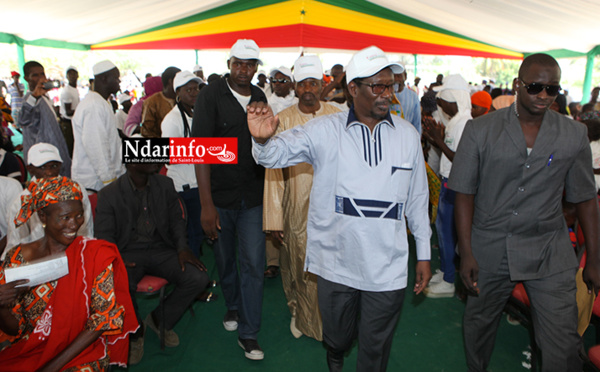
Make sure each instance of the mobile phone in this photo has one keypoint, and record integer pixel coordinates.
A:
(51, 84)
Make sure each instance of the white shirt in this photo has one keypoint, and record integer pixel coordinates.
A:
(364, 186)
(9, 190)
(181, 174)
(595, 146)
(279, 104)
(97, 149)
(121, 118)
(454, 130)
(70, 95)
(32, 230)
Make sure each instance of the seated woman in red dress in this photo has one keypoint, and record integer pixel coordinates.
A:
(80, 321)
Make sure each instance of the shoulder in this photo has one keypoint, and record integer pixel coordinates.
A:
(165, 183)
(257, 94)
(329, 108)
(112, 189)
(404, 127)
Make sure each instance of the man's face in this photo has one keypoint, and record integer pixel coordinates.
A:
(595, 93)
(35, 75)
(48, 170)
(282, 84)
(439, 78)
(241, 71)
(16, 79)
(477, 111)
(200, 74)
(337, 70)
(537, 104)
(450, 108)
(369, 104)
(72, 77)
(113, 81)
(309, 91)
(399, 79)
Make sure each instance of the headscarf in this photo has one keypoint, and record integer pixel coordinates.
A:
(482, 99)
(44, 192)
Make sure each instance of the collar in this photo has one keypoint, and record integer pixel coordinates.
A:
(133, 185)
(352, 120)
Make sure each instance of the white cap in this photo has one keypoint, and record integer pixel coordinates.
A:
(261, 72)
(70, 68)
(184, 77)
(42, 153)
(284, 70)
(368, 62)
(245, 49)
(197, 68)
(122, 98)
(103, 66)
(452, 82)
(308, 67)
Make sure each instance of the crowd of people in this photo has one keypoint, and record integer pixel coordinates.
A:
(333, 173)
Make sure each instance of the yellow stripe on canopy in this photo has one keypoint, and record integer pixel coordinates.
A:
(306, 12)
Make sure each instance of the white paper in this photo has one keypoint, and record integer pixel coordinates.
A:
(38, 272)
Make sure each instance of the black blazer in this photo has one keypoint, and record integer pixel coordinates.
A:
(116, 212)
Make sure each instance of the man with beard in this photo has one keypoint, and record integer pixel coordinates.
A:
(369, 180)
(97, 149)
(510, 172)
(231, 195)
(286, 204)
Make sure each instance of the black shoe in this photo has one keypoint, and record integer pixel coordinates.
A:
(230, 321)
(251, 349)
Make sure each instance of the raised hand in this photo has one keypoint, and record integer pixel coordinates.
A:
(261, 122)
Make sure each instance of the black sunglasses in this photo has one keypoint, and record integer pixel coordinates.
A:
(282, 81)
(536, 88)
(377, 88)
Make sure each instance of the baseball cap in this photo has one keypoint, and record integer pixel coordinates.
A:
(184, 77)
(308, 67)
(452, 82)
(245, 49)
(103, 66)
(14, 73)
(368, 62)
(42, 153)
(71, 68)
(122, 98)
(197, 68)
(284, 70)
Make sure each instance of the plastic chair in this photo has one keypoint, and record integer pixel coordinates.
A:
(149, 286)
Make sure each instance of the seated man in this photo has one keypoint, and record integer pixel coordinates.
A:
(141, 213)
(43, 161)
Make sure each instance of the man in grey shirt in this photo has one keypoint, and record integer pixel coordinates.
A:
(510, 170)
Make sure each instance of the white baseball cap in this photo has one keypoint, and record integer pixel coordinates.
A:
(122, 98)
(42, 153)
(284, 70)
(245, 49)
(308, 67)
(184, 77)
(452, 82)
(368, 62)
(197, 68)
(70, 68)
(103, 66)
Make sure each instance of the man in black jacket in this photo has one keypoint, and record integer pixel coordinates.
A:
(142, 214)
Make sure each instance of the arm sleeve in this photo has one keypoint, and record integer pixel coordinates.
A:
(273, 200)
(417, 207)
(464, 176)
(87, 229)
(205, 114)
(150, 126)
(134, 118)
(177, 218)
(289, 148)
(105, 313)
(30, 111)
(172, 125)
(417, 115)
(105, 224)
(580, 184)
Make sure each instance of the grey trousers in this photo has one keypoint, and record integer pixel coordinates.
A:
(554, 315)
(341, 306)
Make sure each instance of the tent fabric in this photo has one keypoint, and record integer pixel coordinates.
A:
(308, 23)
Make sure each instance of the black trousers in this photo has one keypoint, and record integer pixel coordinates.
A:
(164, 262)
(340, 308)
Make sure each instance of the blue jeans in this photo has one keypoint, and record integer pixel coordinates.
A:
(191, 198)
(244, 291)
(446, 231)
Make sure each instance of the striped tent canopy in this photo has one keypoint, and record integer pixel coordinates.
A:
(322, 24)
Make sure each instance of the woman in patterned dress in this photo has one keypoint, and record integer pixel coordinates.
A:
(79, 322)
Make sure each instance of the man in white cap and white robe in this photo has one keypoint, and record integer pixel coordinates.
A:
(283, 95)
(97, 150)
(369, 182)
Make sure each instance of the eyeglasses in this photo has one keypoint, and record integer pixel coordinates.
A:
(377, 88)
(281, 81)
(536, 88)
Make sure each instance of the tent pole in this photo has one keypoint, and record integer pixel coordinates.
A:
(589, 70)
(587, 81)
(415, 65)
(196, 56)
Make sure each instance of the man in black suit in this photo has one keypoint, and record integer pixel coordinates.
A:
(142, 214)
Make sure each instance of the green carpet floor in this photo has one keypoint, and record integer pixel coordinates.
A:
(428, 337)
